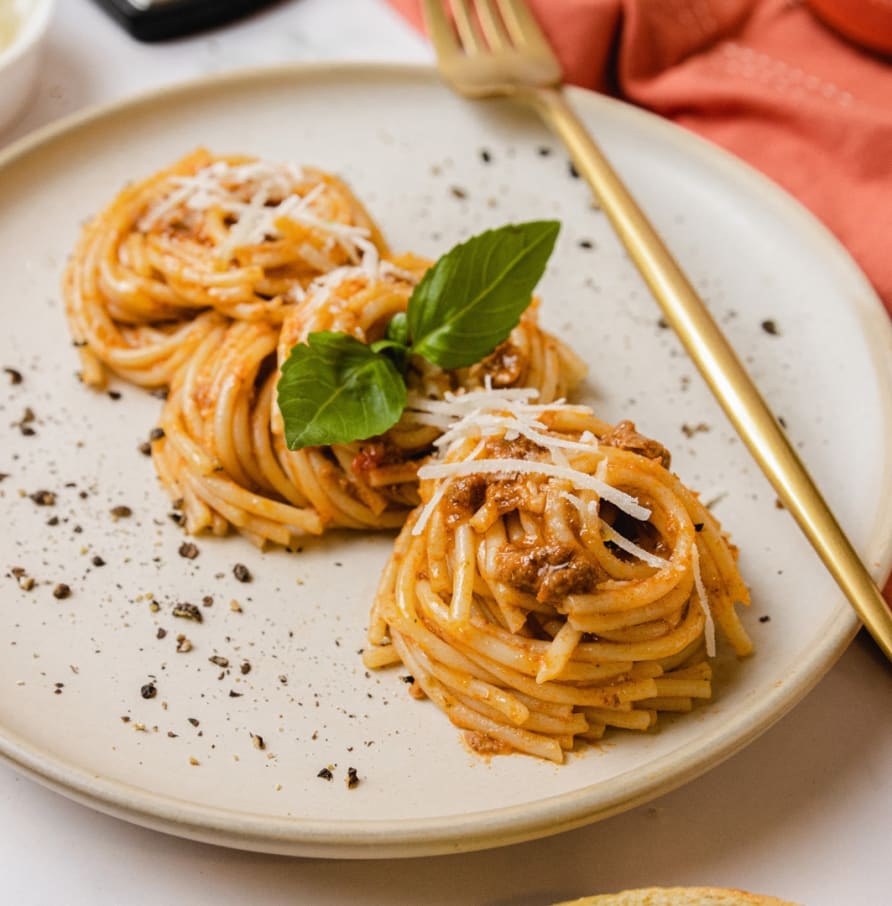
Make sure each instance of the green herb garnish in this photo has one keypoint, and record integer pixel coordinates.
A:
(335, 389)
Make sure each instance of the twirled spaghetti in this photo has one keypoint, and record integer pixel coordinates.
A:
(208, 239)
(557, 580)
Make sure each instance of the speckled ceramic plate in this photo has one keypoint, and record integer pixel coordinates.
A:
(433, 169)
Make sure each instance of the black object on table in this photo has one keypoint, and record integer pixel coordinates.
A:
(159, 20)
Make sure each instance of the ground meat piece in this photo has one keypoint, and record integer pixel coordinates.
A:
(550, 571)
(464, 497)
(517, 448)
(625, 437)
(504, 366)
(481, 744)
(374, 454)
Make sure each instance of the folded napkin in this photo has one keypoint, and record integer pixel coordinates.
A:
(766, 80)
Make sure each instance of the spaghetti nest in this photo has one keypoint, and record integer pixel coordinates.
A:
(210, 239)
(557, 580)
(223, 455)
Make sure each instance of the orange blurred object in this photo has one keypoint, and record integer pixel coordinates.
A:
(866, 22)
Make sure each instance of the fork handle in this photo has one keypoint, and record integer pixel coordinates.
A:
(720, 367)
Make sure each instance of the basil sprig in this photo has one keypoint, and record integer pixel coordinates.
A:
(335, 389)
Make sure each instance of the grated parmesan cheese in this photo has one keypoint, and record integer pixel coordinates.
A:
(590, 511)
(623, 543)
(257, 196)
(709, 626)
(508, 413)
(619, 499)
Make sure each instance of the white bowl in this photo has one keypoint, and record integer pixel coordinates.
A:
(19, 60)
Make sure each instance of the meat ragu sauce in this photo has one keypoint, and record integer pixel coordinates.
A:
(625, 437)
(382, 462)
(550, 570)
(503, 367)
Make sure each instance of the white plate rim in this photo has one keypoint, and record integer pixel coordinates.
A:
(495, 827)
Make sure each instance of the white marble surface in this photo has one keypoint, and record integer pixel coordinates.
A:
(804, 813)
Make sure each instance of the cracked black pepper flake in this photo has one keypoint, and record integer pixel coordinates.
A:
(219, 660)
(148, 690)
(544, 151)
(207, 601)
(178, 518)
(698, 526)
(765, 619)
(15, 376)
(485, 156)
(62, 591)
(186, 611)
(43, 498)
(458, 192)
(586, 244)
(97, 561)
(352, 779)
(160, 393)
(53, 521)
(125, 718)
(770, 327)
(194, 721)
(241, 572)
(408, 678)
(234, 694)
(663, 324)
(121, 511)
(145, 448)
(188, 550)
(325, 774)
(161, 633)
(571, 169)
(245, 668)
(156, 434)
(114, 394)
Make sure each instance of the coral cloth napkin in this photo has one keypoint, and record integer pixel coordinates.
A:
(766, 80)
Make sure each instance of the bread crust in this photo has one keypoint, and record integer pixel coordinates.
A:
(678, 896)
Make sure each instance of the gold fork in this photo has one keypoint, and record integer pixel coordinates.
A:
(491, 48)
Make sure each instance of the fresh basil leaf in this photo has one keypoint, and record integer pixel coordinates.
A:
(334, 390)
(396, 352)
(473, 297)
(398, 329)
(385, 344)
